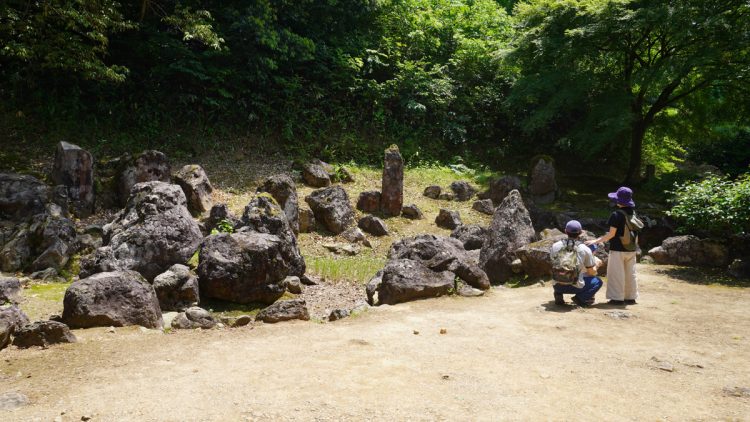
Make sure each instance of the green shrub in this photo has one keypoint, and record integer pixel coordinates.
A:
(715, 205)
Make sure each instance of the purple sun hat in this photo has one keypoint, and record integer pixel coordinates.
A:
(623, 196)
(573, 227)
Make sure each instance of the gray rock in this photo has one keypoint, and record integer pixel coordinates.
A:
(468, 291)
(242, 321)
(369, 201)
(74, 169)
(448, 219)
(440, 254)
(739, 268)
(149, 166)
(194, 317)
(11, 319)
(315, 175)
(412, 212)
(284, 310)
(331, 208)
(535, 259)
(392, 190)
(373, 225)
(42, 334)
(404, 280)
(16, 253)
(472, 236)
(293, 285)
(117, 299)
(284, 191)
(196, 187)
(510, 229)
(734, 391)
(87, 243)
(500, 188)
(342, 249)
(152, 233)
(543, 184)
(462, 190)
(21, 197)
(10, 289)
(53, 240)
(263, 215)
(690, 250)
(338, 314)
(355, 235)
(447, 196)
(177, 288)
(243, 267)
(432, 191)
(50, 274)
(485, 206)
(12, 400)
(306, 220)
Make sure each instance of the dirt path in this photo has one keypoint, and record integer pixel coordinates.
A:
(510, 355)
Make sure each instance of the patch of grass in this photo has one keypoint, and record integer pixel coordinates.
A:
(355, 268)
(47, 291)
(221, 308)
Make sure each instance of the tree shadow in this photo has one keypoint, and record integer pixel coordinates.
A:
(702, 276)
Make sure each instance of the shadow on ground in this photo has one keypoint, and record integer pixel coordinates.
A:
(702, 276)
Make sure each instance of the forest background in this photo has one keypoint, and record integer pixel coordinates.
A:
(608, 85)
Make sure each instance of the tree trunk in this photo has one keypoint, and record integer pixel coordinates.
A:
(637, 133)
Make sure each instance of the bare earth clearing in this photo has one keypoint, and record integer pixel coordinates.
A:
(509, 355)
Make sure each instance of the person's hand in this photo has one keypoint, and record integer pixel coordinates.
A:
(590, 242)
(597, 262)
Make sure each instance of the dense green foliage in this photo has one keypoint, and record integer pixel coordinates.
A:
(715, 206)
(618, 82)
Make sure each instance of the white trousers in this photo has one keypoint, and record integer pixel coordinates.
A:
(621, 281)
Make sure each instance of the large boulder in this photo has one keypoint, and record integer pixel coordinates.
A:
(263, 215)
(11, 319)
(690, 250)
(284, 310)
(149, 166)
(331, 207)
(462, 190)
(472, 236)
(500, 188)
(22, 197)
(10, 289)
(42, 334)
(510, 229)
(369, 201)
(412, 212)
(439, 254)
(306, 220)
(74, 169)
(315, 175)
(197, 188)
(535, 257)
(404, 280)
(177, 288)
(47, 241)
(543, 186)
(284, 191)
(392, 190)
(243, 267)
(152, 233)
(117, 298)
(485, 206)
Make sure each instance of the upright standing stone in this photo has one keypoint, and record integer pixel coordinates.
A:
(392, 192)
(197, 188)
(543, 183)
(510, 229)
(284, 191)
(150, 166)
(74, 169)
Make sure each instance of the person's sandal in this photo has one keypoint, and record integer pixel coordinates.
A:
(630, 302)
(559, 299)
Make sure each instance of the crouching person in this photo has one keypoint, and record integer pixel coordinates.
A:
(574, 268)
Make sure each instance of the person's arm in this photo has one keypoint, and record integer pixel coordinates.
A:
(591, 263)
(603, 238)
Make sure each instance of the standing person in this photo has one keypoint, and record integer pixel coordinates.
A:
(574, 268)
(622, 285)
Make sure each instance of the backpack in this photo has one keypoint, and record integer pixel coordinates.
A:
(565, 263)
(629, 237)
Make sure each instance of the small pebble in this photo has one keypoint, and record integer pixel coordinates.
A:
(443, 331)
(416, 333)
